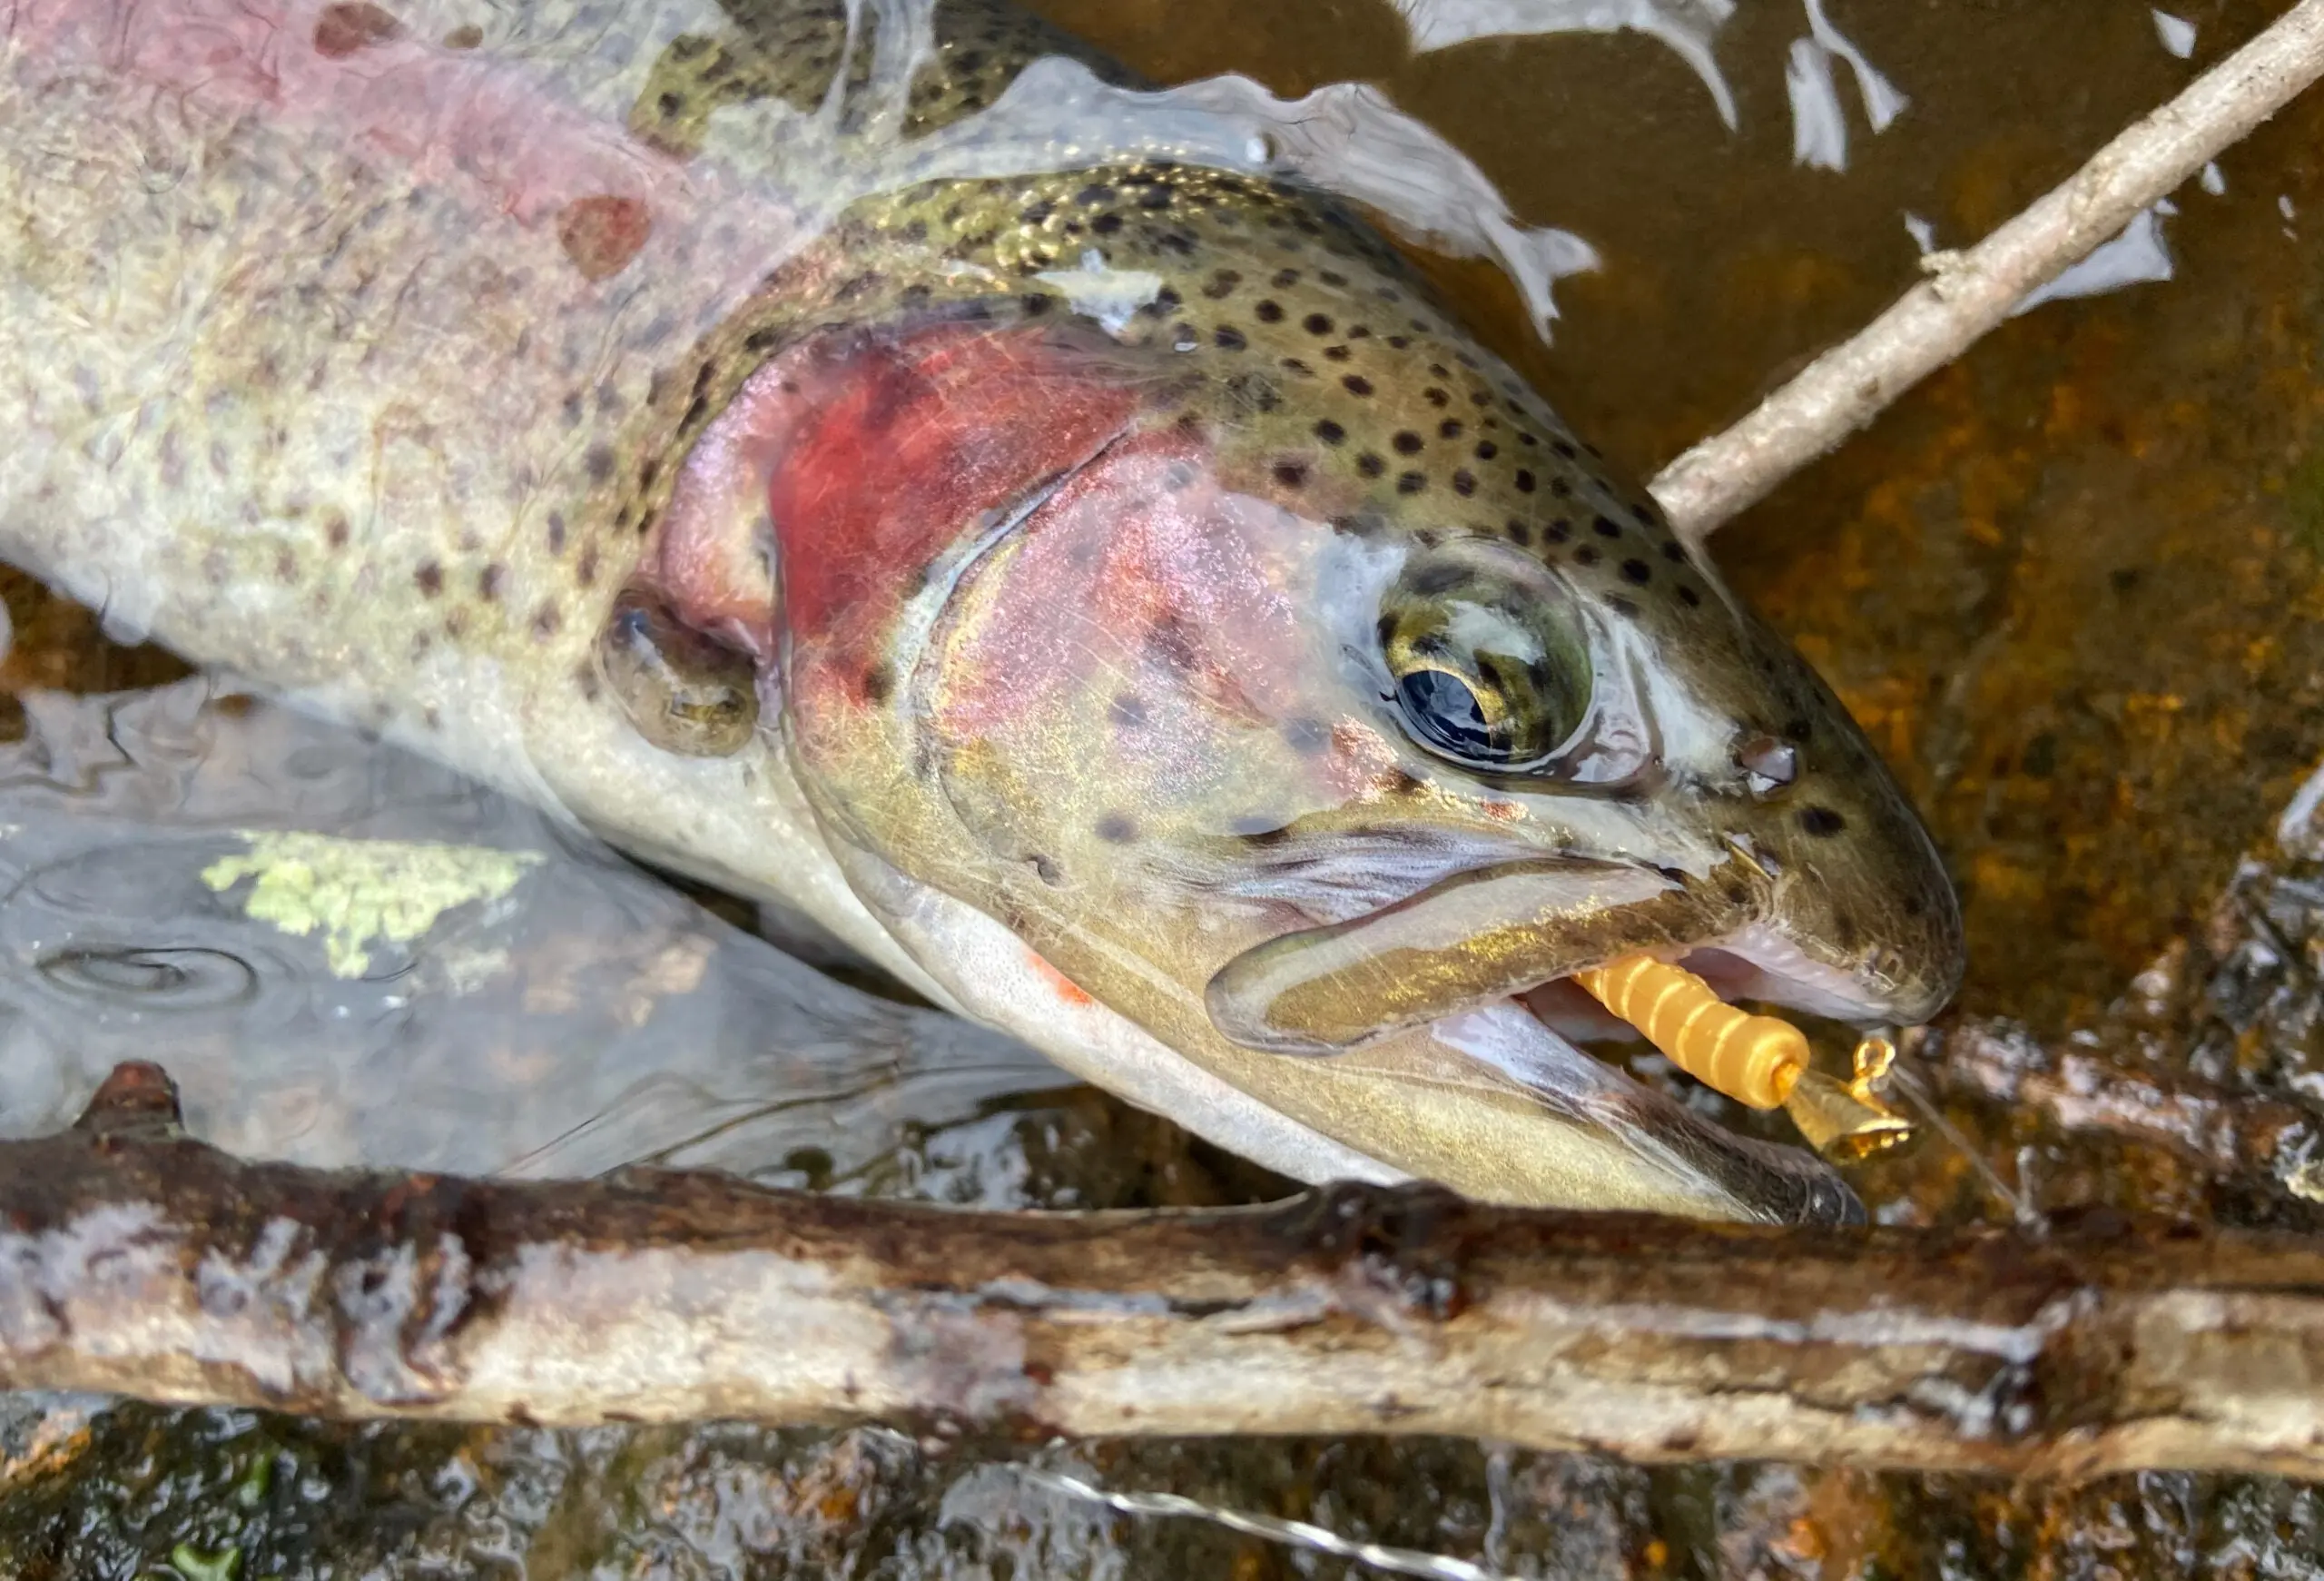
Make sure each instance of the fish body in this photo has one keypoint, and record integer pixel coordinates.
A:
(1113, 594)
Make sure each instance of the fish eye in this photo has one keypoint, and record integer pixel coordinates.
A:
(1488, 673)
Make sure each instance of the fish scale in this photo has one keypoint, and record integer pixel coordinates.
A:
(439, 364)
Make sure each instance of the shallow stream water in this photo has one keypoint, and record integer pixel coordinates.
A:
(2071, 586)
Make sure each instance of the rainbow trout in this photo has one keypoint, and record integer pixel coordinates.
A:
(1108, 590)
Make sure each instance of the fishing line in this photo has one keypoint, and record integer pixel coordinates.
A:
(1273, 1528)
(2020, 1209)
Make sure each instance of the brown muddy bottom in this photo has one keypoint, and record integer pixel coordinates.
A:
(2071, 587)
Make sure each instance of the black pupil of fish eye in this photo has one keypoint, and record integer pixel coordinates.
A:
(1446, 713)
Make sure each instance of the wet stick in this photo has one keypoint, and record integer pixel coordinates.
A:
(1968, 292)
(136, 1260)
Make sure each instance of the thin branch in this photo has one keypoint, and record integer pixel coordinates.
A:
(135, 1260)
(1969, 292)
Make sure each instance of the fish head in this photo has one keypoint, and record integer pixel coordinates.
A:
(1289, 682)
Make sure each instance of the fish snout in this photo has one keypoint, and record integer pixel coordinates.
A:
(1854, 915)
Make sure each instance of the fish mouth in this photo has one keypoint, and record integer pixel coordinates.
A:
(1517, 934)
(1527, 1027)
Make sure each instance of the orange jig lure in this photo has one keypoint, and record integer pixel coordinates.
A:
(1756, 1060)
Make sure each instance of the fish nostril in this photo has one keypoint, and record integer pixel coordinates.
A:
(1767, 763)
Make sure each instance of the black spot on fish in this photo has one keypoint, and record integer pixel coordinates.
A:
(1520, 533)
(1432, 581)
(1638, 572)
(1307, 736)
(545, 620)
(1524, 480)
(1606, 526)
(586, 572)
(1558, 531)
(1105, 224)
(1409, 482)
(1464, 482)
(1116, 829)
(879, 681)
(1356, 384)
(1689, 596)
(429, 579)
(1316, 324)
(1407, 443)
(600, 463)
(1587, 555)
(1675, 552)
(1330, 432)
(490, 580)
(336, 530)
(1486, 450)
(1622, 607)
(1449, 428)
(1821, 822)
(1370, 465)
(1291, 474)
(1227, 338)
(1269, 313)
(1284, 279)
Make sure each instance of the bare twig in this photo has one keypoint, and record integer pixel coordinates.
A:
(1968, 293)
(135, 1260)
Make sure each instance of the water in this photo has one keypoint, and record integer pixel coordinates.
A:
(2072, 587)
(554, 1012)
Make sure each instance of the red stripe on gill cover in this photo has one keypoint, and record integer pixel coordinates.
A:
(911, 445)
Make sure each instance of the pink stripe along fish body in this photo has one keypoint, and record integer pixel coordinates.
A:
(1109, 592)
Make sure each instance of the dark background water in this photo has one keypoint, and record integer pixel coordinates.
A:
(2071, 586)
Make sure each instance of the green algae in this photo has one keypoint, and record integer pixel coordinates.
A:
(360, 892)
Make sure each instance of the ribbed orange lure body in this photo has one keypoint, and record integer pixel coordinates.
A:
(1753, 1059)
(1757, 1060)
